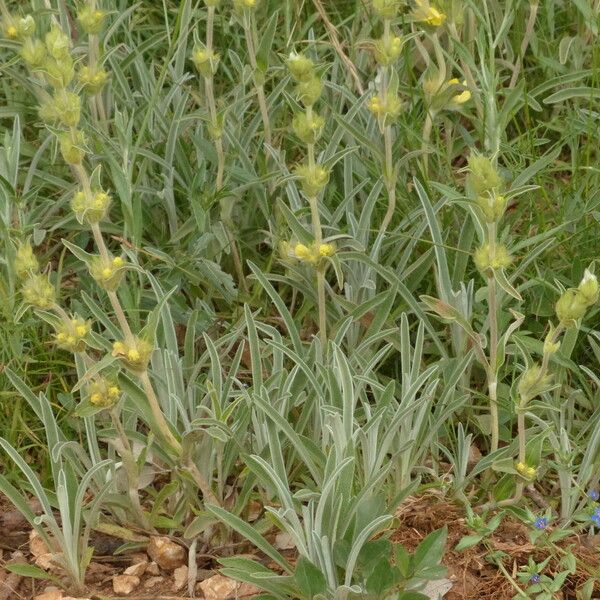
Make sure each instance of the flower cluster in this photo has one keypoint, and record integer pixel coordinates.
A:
(424, 12)
(313, 179)
(526, 470)
(308, 127)
(25, 261)
(490, 257)
(70, 335)
(575, 302)
(385, 107)
(205, 60)
(596, 517)
(387, 49)
(311, 254)
(444, 95)
(38, 291)
(533, 382)
(104, 393)
(107, 271)
(540, 523)
(134, 353)
(308, 83)
(90, 207)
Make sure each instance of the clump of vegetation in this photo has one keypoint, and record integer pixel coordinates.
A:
(278, 267)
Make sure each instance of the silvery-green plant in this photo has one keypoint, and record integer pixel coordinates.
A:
(68, 514)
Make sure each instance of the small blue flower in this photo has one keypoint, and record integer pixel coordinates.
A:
(535, 578)
(593, 495)
(541, 523)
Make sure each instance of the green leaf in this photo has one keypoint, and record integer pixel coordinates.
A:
(382, 578)
(430, 551)
(248, 532)
(309, 578)
(468, 541)
(26, 570)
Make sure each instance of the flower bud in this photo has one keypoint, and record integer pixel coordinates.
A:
(25, 261)
(58, 73)
(90, 208)
(425, 13)
(93, 79)
(72, 146)
(108, 272)
(386, 9)
(588, 288)
(134, 354)
(10, 28)
(309, 91)
(91, 19)
(533, 382)
(58, 44)
(64, 107)
(387, 50)
(483, 178)
(550, 346)
(26, 27)
(312, 180)
(70, 335)
(491, 258)
(308, 128)
(385, 108)
(104, 393)
(301, 67)
(33, 52)
(492, 206)
(571, 307)
(457, 100)
(205, 61)
(38, 291)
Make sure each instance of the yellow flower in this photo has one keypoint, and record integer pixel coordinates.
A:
(326, 250)
(70, 335)
(135, 354)
(428, 14)
(108, 272)
(103, 393)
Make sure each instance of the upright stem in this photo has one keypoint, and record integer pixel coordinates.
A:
(217, 135)
(157, 413)
(131, 468)
(493, 362)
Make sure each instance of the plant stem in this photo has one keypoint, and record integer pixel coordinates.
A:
(217, 136)
(131, 468)
(157, 413)
(493, 364)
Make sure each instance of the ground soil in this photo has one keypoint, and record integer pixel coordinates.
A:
(471, 573)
